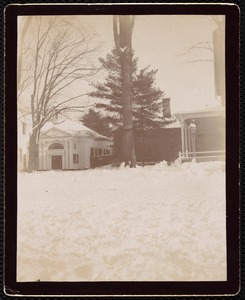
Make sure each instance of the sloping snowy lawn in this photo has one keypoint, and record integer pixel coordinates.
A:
(159, 222)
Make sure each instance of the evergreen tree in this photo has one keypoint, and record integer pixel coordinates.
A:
(94, 120)
(147, 107)
(110, 91)
(147, 99)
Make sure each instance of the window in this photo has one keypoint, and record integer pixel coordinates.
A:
(92, 151)
(100, 151)
(24, 128)
(95, 152)
(56, 146)
(76, 158)
(104, 151)
(75, 146)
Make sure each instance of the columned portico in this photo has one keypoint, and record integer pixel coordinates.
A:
(203, 134)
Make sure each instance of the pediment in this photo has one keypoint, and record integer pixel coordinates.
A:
(54, 132)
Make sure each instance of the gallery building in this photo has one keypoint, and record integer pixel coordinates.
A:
(69, 145)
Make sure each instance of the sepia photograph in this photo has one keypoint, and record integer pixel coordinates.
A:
(121, 148)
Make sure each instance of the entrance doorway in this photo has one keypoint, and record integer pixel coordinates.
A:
(56, 162)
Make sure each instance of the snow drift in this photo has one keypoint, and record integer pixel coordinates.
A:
(153, 223)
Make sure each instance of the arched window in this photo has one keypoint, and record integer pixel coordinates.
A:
(56, 146)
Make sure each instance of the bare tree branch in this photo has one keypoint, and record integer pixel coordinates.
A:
(55, 59)
(200, 45)
(200, 60)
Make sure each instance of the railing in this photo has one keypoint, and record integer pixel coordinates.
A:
(210, 155)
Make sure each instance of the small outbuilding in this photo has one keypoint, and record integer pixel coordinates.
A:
(69, 145)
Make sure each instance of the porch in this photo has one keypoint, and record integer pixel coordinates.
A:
(202, 135)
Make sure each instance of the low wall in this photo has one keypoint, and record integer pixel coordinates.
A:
(98, 161)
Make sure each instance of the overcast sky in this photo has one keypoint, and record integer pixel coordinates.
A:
(163, 42)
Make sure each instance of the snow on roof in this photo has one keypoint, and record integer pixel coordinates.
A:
(211, 111)
(72, 127)
(175, 124)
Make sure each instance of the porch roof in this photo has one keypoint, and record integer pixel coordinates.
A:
(209, 112)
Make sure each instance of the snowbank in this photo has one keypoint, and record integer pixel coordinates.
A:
(161, 223)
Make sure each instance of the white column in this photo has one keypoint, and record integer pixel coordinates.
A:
(189, 139)
(182, 138)
(192, 130)
(42, 157)
(185, 140)
(67, 156)
(48, 159)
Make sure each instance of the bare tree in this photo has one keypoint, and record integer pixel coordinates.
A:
(215, 53)
(57, 55)
(122, 28)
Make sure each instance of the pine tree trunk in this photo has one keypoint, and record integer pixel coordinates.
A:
(33, 153)
(123, 45)
(128, 132)
(143, 147)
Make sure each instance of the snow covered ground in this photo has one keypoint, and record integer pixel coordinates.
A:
(160, 223)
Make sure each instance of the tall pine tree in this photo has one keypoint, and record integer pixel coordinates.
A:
(147, 107)
(147, 98)
(95, 121)
(110, 91)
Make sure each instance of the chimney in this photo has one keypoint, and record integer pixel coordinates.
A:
(166, 108)
(55, 118)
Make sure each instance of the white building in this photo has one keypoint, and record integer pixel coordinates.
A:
(24, 130)
(68, 145)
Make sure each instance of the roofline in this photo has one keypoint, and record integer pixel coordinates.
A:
(212, 112)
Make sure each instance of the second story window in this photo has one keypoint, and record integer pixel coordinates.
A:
(23, 128)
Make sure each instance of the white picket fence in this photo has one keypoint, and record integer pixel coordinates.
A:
(202, 155)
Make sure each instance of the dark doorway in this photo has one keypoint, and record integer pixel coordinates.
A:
(56, 162)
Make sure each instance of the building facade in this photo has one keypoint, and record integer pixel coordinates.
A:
(68, 145)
